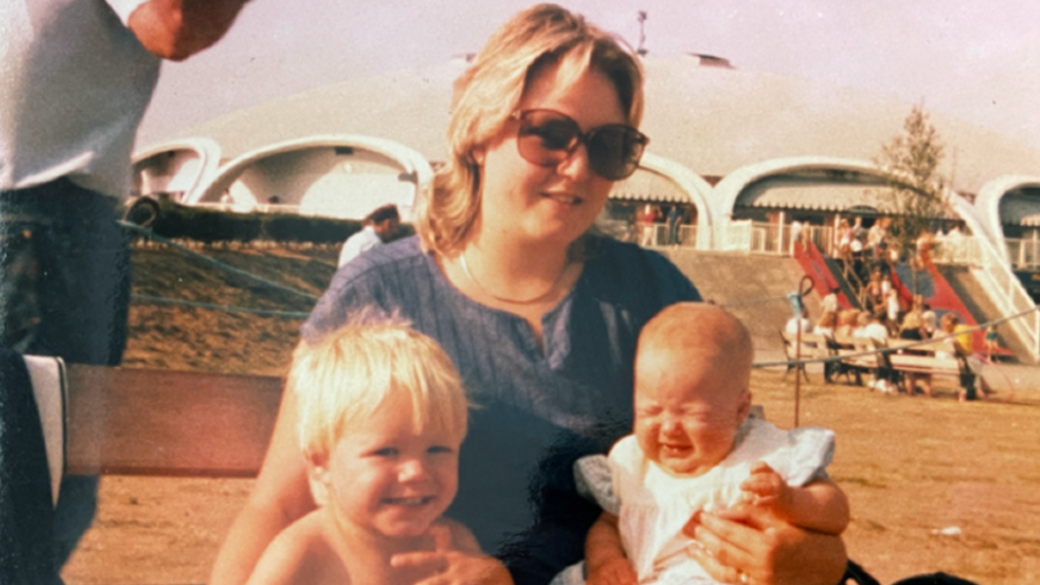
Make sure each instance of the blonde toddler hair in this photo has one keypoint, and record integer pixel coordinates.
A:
(345, 377)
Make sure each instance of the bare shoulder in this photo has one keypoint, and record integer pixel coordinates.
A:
(301, 553)
(462, 538)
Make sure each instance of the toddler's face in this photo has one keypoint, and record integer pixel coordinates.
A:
(386, 478)
(687, 410)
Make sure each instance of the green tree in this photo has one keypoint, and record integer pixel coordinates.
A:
(915, 191)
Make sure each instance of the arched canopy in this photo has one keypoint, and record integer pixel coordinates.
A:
(344, 176)
(823, 183)
(175, 168)
(1008, 200)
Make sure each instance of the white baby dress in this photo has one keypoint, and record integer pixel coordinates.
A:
(653, 505)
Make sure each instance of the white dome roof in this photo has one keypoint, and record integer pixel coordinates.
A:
(711, 119)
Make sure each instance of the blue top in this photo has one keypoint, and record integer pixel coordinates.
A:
(536, 413)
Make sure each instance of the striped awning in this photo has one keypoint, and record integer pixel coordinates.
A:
(818, 197)
(1020, 210)
(645, 185)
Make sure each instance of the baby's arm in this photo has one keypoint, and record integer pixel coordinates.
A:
(299, 554)
(605, 559)
(819, 506)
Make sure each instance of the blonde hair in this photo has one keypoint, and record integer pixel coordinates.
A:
(345, 377)
(490, 90)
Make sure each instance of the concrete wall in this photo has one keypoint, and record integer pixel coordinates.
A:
(750, 286)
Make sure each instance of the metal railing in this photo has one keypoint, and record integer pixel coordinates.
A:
(654, 235)
(1024, 254)
(769, 238)
(997, 277)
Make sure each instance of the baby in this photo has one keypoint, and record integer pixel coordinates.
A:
(695, 448)
(382, 414)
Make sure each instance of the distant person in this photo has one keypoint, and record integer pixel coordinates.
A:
(912, 329)
(827, 324)
(76, 78)
(674, 219)
(830, 301)
(378, 227)
(648, 219)
(872, 326)
(799, 321)
(382, 414)
(694, 448)
(961, 347)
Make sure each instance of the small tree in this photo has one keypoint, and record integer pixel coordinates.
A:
(915, 191)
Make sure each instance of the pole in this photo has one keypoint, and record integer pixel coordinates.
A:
(805, 287)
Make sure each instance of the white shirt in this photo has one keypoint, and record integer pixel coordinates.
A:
(366, 239)
(873, 330)
(830, 303)
(792, 325)
(655, 505)
(74, 84)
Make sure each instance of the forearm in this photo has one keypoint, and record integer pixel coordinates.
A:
(603, 543)
(820, 506)
(177, 29)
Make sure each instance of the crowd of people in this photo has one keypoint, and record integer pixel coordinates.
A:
(654, 225)
(885, 322)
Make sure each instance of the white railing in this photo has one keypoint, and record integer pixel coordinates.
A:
(1024, 254)
(654, 235)
(966, 250)
(734, 236)
(770, 238)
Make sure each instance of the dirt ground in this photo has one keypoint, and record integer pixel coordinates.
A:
(935, 485)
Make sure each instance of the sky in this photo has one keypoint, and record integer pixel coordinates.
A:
(977, 60)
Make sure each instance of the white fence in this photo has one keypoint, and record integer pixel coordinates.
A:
(770, 238)
(1024, 254)
(654, 235)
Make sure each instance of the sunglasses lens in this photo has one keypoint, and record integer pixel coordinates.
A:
(547, 138)
(614, 151)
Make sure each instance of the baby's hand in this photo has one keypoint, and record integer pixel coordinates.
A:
(616, 571)
(765, 487)
(448, 566)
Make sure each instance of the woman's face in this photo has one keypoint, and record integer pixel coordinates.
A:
(554, 204)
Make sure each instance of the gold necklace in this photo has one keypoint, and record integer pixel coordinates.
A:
(535, 299)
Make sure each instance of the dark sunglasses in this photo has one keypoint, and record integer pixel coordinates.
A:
(547, 138)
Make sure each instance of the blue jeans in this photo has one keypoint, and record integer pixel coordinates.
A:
(64, 291)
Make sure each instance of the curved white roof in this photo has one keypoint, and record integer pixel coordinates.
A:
(712, 120)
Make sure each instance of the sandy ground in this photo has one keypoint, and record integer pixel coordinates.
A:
(935, 485)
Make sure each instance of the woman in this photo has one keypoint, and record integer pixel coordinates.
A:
(912, 329)
(827, 324)
(540, 319)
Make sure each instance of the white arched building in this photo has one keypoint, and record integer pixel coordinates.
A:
(726, 144)
(345, 176)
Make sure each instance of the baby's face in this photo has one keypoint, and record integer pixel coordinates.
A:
(688, 409)
(383, 477)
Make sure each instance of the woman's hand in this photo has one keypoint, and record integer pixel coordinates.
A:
(750, 545)
(446, 564)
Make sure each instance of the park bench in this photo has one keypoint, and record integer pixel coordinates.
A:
(813, 346)
(168, 423)
(931, 364)
(861, 355)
